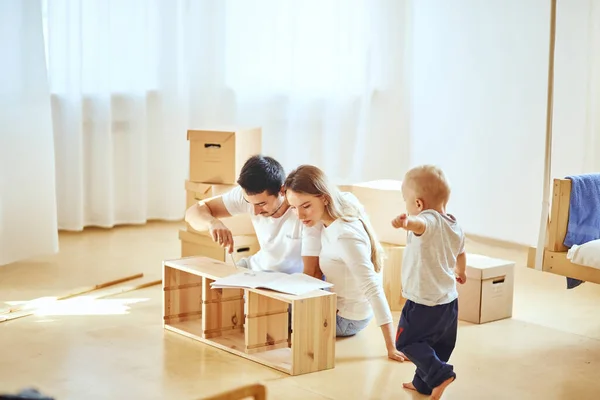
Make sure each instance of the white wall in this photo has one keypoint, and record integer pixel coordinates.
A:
(479, 92)
(576, 138)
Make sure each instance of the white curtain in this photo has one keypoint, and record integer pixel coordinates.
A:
(479, 93)
(28, 224)
(119, 111)
(325, 80)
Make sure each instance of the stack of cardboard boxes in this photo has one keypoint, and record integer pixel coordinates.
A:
(216, 158)
(488, 294)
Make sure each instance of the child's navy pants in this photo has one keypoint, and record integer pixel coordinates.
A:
(427, 335)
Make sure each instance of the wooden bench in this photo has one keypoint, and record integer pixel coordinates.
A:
(250, 323)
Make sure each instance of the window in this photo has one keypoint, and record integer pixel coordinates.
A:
(99, 46)
(308, 48)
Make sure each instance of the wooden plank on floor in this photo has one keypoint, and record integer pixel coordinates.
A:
(75, 292)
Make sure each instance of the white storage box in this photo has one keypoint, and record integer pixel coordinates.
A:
(488, 293)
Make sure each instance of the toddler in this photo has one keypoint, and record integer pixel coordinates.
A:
(434, 260)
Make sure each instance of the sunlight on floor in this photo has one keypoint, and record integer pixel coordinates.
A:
(83, 305)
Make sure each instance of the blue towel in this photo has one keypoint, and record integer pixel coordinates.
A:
(584, 210)
(572, 283)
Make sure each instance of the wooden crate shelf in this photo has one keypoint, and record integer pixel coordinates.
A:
(292, 334)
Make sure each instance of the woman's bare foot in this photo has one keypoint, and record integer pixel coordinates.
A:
(436, 393)
(409, 385)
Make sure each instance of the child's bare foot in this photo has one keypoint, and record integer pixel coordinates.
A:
(436, 393)
(409, 385)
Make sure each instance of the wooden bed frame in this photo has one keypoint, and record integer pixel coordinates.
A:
(555, 258)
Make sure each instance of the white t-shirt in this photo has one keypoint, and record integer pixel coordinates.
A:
(345, 260)
(429, 260)
(283, 241)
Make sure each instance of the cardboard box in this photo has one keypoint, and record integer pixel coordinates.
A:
(193, 244)
(217, 156)
(488, 293)
(197, 191)
(383, 201)
(239, 225)
(392, 276)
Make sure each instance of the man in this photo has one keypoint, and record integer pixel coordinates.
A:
(285, 244)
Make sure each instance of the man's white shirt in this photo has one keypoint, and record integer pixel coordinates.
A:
(283, 241)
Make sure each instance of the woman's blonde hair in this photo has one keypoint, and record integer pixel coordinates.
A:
(311, 180)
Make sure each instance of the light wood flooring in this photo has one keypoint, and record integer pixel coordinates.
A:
(550, 349)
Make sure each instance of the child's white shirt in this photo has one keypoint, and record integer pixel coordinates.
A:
(429, 260)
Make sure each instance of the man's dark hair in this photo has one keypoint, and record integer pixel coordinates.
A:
(261, 173)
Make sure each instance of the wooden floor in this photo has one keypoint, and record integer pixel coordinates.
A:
(550, 349)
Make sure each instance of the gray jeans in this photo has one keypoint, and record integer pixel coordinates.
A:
(349, 327)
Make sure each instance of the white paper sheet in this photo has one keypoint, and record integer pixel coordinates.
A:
(296, 284)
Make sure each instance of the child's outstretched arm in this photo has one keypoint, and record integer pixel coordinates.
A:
(415, 224)
(461, 268)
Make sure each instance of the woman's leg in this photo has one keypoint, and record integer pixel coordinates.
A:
(348, 327)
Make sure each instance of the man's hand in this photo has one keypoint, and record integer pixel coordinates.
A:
(400, 221)
(461, 276)
(221, 234)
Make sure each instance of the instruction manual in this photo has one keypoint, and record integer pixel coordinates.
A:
(296, 284)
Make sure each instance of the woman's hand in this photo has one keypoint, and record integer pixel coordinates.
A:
(396, 355)
(388, 336)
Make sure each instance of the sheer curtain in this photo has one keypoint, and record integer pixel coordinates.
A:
(28, 224)
(119, 111)
(325, 80)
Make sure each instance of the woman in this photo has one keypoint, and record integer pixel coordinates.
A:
(350, 256)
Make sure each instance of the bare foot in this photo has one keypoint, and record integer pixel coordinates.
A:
(409, 385)
(436, 393)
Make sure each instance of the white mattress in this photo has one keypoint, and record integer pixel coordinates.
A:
(587, 254)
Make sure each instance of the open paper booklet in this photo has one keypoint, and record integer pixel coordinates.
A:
(296, 284)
